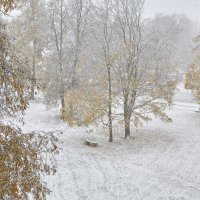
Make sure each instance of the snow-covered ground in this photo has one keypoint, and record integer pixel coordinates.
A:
(161, 163)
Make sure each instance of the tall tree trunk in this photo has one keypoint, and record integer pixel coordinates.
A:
(127, 121)
(127, 116)
(62, 95)
(110, 107)
(33, 71)
(62, 88)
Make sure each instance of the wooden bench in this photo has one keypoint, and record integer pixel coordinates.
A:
(90, 143)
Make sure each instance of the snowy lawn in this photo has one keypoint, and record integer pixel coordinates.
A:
(161, 163)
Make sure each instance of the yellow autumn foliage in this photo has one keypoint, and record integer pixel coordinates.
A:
(192, 79)
(85, 104)
(22, 156)
(83, 107)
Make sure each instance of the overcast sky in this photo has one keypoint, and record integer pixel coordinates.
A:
(190, 7)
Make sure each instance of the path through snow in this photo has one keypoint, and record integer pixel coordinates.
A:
(161, 163)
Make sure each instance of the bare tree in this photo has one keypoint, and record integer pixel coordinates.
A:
(58, 15)
(129, 23)
(28, 30)
(105, 40)
(79, 18)
(134, 70)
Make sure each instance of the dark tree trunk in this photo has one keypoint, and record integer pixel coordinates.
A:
(33, 71)
(127, 116)
(34, 49)
(110, 107)
(62, 88)
(62, 95)
(127, 121)
(110, 125)
(62, 101)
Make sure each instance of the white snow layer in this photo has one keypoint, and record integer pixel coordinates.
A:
(161, 163)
